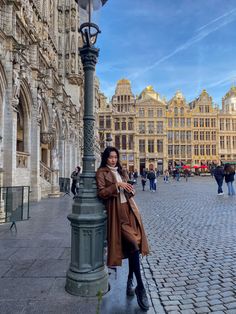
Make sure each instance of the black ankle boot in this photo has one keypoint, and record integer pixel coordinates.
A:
(142, 298)
(129, 288)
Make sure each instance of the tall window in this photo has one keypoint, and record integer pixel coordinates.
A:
(131, 142)
(142, 146)
(189, 122)
(234, 124)
(150, 113)
(189, 136)
(20, 129)
(228, 142)
(108, 122)
(130, 124)
(222, 142)
(117, 124)
(123, 124)
(176, 122)
(182, 136)
(208, 135)
(170, 122)
(141, 127)
(195, 135)
(195, 122)
(207, 122)
(201, 123)
(176, 135)
(213, 122)
(234, 142)
(101, 122)
(159, 127)
(208, 150)
(207, 109)
(151, 127)
(141, 112)
(159, 112)
(117, 141)
(182, 122)
(183, 151)
(213, 135)
(176, 111)
(201, 135)
(202, 151)
(227, 124)
(181, 111)
(213, 150)
(160, 146)
(170, 150)
(189, 151)
(196, 151)
(123, 141)
(151, 146)
(222, 124)
(170, 136)
(176, 150)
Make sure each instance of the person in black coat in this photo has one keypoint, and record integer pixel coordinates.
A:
(229, 178)
(219, 176)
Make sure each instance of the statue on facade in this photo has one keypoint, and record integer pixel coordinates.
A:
(55, 161)
(16, 81)
(73, 20)
(39, 104)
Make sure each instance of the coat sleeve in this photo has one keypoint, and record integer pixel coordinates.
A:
(105, 191)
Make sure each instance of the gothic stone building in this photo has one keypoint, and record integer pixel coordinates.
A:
(41, 94)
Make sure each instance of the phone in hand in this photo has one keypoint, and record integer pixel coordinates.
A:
(131, 182)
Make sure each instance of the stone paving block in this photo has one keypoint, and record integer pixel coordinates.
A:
(231, 306)
(48, 268)
(4, 267)
(218, 307)
(35, 288)
(202, 310)
(12, 307)
(18, 268)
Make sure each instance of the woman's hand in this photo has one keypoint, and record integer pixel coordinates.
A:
(126, 186)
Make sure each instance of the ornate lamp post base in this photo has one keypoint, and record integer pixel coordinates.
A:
(87, 274)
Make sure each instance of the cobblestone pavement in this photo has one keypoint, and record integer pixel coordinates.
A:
(192, 235)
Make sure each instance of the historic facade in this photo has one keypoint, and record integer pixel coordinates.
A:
(41, 94)
(227, 127)
(162, 134)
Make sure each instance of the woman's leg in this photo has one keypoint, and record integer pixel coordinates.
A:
(229, 188)
(232, 188)
(135, 262)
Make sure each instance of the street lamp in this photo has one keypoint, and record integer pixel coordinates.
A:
(87, 274)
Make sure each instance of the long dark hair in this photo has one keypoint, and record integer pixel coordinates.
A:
(228, 169)
(106, 155)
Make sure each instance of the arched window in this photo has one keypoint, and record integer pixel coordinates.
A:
(176, 111)
(20, 128)
(181, 111)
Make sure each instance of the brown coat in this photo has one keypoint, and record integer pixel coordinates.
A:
(107, 190)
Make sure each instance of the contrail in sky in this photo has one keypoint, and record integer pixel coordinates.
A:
(203, 32)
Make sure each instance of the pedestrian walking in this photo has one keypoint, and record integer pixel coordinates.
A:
(151, 177)
(166, 176)
(229, 178)
(143, 181)
(75, 180)
(219, 177)
(126, 235)
(186, 174)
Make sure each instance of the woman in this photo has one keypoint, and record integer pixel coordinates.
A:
(125, 232)
(229, 178)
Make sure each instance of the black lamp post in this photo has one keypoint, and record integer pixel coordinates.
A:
(87, 274)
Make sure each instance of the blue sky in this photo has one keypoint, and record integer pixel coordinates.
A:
(186, 45)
